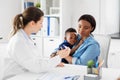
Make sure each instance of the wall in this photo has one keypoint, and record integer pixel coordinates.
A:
(109, 16)
(106, 13)
(81, 7)
(66, 12)
(8, 9)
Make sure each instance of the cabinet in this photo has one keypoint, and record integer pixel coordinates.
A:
(49, 45)
(59, 12)
(46, 45)
(114, 54)
(52, 19)
(52, 33)
(115, 45)
(49, 7)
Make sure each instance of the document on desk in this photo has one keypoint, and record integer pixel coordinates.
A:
(54, 76)
(68, 72)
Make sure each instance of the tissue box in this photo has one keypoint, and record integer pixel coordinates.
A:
(91, 77)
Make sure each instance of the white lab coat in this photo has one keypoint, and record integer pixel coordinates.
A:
(24, 56)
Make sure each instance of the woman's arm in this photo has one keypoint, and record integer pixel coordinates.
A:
(91, 53)
(69, 59)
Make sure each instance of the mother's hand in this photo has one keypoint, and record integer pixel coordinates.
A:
(64, 52)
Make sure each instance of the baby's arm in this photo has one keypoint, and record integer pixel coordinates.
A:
(55, 52)
(76, 47)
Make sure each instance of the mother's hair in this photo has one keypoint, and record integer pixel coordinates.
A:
(90, 19)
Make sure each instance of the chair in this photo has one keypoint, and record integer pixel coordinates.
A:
(114, 59)
(104, 41)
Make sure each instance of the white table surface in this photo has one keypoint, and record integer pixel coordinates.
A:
(69, 70)
(110, 73)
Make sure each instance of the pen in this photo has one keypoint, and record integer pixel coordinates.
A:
(67, 77)
(96, 65)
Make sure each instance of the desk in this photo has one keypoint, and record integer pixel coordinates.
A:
(58, 73)
(110, 73)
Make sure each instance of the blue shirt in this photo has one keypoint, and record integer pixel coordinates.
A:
(62, 46)
(65, 43)
(89, 50)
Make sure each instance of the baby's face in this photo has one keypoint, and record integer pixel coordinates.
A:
(71, 37)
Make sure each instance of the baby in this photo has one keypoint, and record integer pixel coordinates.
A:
(69, 41)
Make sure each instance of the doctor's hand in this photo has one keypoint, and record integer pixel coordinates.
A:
(60, 65)
(64, 52)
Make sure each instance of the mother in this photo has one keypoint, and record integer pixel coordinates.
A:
(87, 47)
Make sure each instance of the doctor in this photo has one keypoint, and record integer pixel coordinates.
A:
(24, 55)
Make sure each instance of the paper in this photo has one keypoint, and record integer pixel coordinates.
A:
(54, 76)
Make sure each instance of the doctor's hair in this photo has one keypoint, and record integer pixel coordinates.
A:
(29, 14)
(90, 19)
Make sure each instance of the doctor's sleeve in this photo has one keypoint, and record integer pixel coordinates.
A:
(26, 58)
